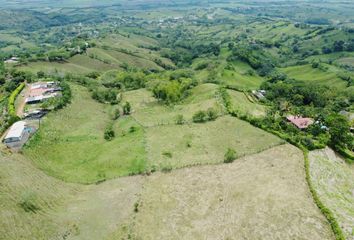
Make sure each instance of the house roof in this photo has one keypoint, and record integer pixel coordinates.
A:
(16, 130)
(300, 122)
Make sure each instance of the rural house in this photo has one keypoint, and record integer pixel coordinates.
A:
(15, 133)
(42, 91)
(300, 122)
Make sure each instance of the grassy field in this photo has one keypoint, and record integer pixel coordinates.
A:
(333, 179)
(63, 211)
(70, 143)
(263, 196)
(70, 146)
(241, 103)
(176, 146)
(309, 74)
(149, 112)
(22, 183)
(54, 67)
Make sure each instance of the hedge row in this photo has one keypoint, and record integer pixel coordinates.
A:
(12, 99)
(325, 211)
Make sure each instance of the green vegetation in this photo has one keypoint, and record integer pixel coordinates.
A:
(338, 232)
(152, 87)
(12, 99)
(230, 156)
(70, 143)
(325, 167)
(191, 144)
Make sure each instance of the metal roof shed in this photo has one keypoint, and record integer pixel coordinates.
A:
(16, 132)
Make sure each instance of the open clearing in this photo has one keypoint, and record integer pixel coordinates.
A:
(71, 146)
(264, 196)
(176, 146)
(149, 112)
(64, 211)
(240, 102)
(309, 74)
(333, 179)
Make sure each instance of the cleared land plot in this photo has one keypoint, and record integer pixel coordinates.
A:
(240, 102)
(240, 78)
(62, 211)
(333, 179)
(264, 196)
(349, 61)
(54, 67)
(22, 187)
(149, 112)
(175, 146)
(309, 74)
(70, 143)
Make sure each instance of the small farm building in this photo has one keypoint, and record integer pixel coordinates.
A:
(16, 132)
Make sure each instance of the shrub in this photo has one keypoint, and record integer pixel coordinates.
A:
(28, 202)
(230, 156)
(212, 114)
(116, 114)
(109, 133)
(166, 169)
(136, 207)
(200, 117)
(167, 154)
(127, 108)
(132, 129)
(180, 119)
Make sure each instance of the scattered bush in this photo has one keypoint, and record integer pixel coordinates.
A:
(109, 133)
(28, 202)
(229, 156)
(200, 117)
(116, 114)
(136, 207)
(180, 119)
(127, 108)
(167, 154)
(204, 116)
(212, 114)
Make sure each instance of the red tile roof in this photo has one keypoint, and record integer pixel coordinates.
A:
(300, 122)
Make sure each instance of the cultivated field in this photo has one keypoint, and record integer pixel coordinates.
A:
(333, 179)
(263, 196)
